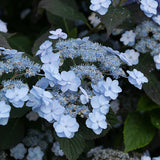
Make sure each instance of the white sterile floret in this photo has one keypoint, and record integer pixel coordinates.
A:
(156, 19)
(18, 151)
(100, 104)
(84, 97)
(137, 78)
(45, 48)
(96, 122)
(94, 20)
(157, 61)
(130, 57)
(4, 112)
(66, 126)
(149, 7)
(17, 96)
(57, 34)
(128, 38)
(56, 149)
(3, 27)
(100, 6)
(35, 153)
(69, 81)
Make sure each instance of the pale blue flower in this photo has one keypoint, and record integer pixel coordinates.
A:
(96, 122)
(4, 112)
(57, 34)
(18, 151)
(128, 38)
(42, 83)
(84, 97)
(100, 104)
(51, 58)
(108, 88)
(130, 57)
(45, 48)
(51, 112)
(38, 97)
(56, 149)
(137, 78)
(35, 153)
(17, 96)
(69, 81)
(156, 19)
(52, 72)
(149, 7)
(100, 6)
(66, 126)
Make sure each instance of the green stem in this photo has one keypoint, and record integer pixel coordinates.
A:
(66, 26)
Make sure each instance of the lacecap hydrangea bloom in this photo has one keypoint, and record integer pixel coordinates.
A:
(137, 78)
(57, 34)
(149, 7)
(4, 112)
(66, 126)
(128, 38)
(19, 151)
(100, 6)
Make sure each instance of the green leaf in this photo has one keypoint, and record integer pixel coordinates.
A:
(138, 131)
(73, 147)
(113, 18)
(152, 88)
(3, 42)
(111, 118)
(19, 112)
(21, 43)
(73, 33)
(12, 133)
(155, 118)
(61, 9)
(145, 104)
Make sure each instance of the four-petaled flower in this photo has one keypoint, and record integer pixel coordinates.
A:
(57, 34)
(128, 38)
(157, 61)
(17, 96)
(69, 81)
(149, 7)
(100, 6)
(96, 122)
(66, 126)
(137, 78)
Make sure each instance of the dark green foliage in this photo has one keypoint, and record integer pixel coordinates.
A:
(12, 133)
(138, 131)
